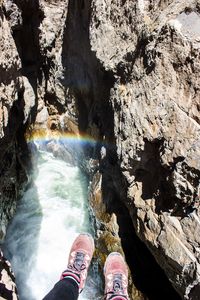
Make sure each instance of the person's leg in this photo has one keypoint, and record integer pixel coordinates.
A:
(116, 277)
(64, 289)
(73, 278)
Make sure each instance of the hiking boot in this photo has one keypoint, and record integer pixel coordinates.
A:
(79, 260)
(116, 277)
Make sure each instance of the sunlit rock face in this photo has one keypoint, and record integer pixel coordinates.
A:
(153, 48)
(17, 99)
(126, 73)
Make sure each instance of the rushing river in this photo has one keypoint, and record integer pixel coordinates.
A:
(50, 215)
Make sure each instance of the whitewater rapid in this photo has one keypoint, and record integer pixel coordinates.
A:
(52, 212)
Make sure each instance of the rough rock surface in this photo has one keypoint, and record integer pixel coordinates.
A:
(126, 73)
(8, 288)
(17, 99)
(153, 50)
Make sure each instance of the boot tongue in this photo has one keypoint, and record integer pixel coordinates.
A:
(79, 261)
(117, 283)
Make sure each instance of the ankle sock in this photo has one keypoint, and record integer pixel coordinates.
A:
(117, 298)
(71, 275)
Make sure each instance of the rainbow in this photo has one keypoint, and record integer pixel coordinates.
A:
(45, 136)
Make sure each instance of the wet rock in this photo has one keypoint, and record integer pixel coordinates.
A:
(61, 152)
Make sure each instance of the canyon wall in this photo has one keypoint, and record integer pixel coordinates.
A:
(17, 99)
(152, 49)
(125, 73)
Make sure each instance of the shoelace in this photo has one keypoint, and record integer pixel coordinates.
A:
(117, 283)
(78, 264)
(117, 287)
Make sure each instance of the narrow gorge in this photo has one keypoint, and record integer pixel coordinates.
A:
(108, 92)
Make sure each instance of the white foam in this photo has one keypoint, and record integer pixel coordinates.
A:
(49, 217)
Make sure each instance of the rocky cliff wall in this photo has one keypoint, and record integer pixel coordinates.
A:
(153, 51)
(126, 73)
(17, 99)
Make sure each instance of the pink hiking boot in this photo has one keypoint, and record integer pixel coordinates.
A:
(116, 277)
(79, 260)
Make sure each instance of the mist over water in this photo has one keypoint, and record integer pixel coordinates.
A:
(52, 212)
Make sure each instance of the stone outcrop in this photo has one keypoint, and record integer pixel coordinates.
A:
(17, 99)
(8, 288)
(125, 73)
(155, 99)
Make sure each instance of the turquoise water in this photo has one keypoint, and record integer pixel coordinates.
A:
(52, 212)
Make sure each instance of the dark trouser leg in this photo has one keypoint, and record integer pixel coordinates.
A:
(65, 289)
